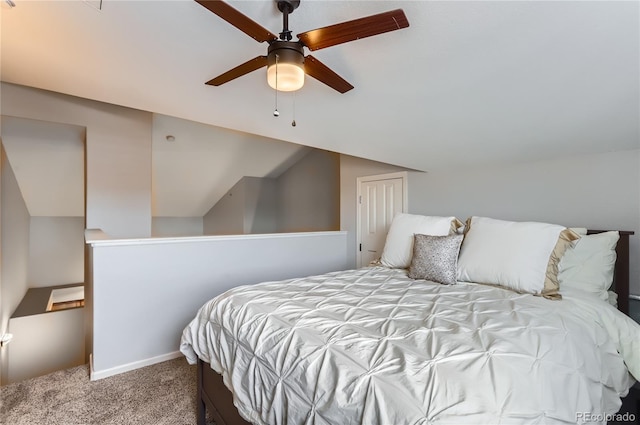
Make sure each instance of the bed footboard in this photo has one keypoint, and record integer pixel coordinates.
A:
(214, 396)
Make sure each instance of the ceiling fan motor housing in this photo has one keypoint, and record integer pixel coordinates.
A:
(286, 51)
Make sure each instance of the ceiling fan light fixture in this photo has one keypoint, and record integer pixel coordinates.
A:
(285, 70)
(290, 77)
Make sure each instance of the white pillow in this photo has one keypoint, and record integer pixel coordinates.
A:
(398, 248)
(589, 265)
(522, 256)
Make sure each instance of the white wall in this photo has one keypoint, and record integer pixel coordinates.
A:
(309, 194)
(350, 169)
(56, 251)
(14, 255)
(144, 292)
(177, 226)
(118, 152)
(598, 191)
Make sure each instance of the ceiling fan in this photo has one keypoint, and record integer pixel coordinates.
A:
(285, 60)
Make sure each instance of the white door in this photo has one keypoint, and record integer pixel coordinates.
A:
(379, 200)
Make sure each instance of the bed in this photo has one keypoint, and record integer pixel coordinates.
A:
(373, 346)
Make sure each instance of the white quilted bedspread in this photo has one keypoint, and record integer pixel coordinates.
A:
(371, 346)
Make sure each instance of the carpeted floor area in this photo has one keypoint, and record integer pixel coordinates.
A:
(164, 393)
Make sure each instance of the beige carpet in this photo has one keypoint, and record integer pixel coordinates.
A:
(164, 393)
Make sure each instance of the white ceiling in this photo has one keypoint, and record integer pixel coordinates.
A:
(475, 82)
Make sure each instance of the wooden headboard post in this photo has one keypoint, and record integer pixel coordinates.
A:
(621, 271)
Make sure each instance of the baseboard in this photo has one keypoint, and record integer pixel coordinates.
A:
(101, 374)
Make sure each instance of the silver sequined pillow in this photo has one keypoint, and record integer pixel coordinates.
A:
(435, 258)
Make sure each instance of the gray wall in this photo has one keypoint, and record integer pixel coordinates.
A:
(304, 198)
(600, 191)
(177, 226)
(118, 155)
(14, 222)
(309, 194)
(45, 343)
(56, 251)
(226, 217)
(248, 207)
(260, 208)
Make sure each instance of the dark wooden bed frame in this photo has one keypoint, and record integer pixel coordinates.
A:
(214, 397)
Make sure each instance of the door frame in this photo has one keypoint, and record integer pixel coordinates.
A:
(404, 175)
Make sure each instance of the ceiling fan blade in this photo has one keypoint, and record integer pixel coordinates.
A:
(354, 30)
(239, 71)
(316, 69)
(238, 20)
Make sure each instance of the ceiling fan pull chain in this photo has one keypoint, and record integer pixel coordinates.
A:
(275, 112)
(293, 123)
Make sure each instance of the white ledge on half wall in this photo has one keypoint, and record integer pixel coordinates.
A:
(96, 237)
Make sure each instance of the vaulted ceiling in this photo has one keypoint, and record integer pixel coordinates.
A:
(467, 83)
